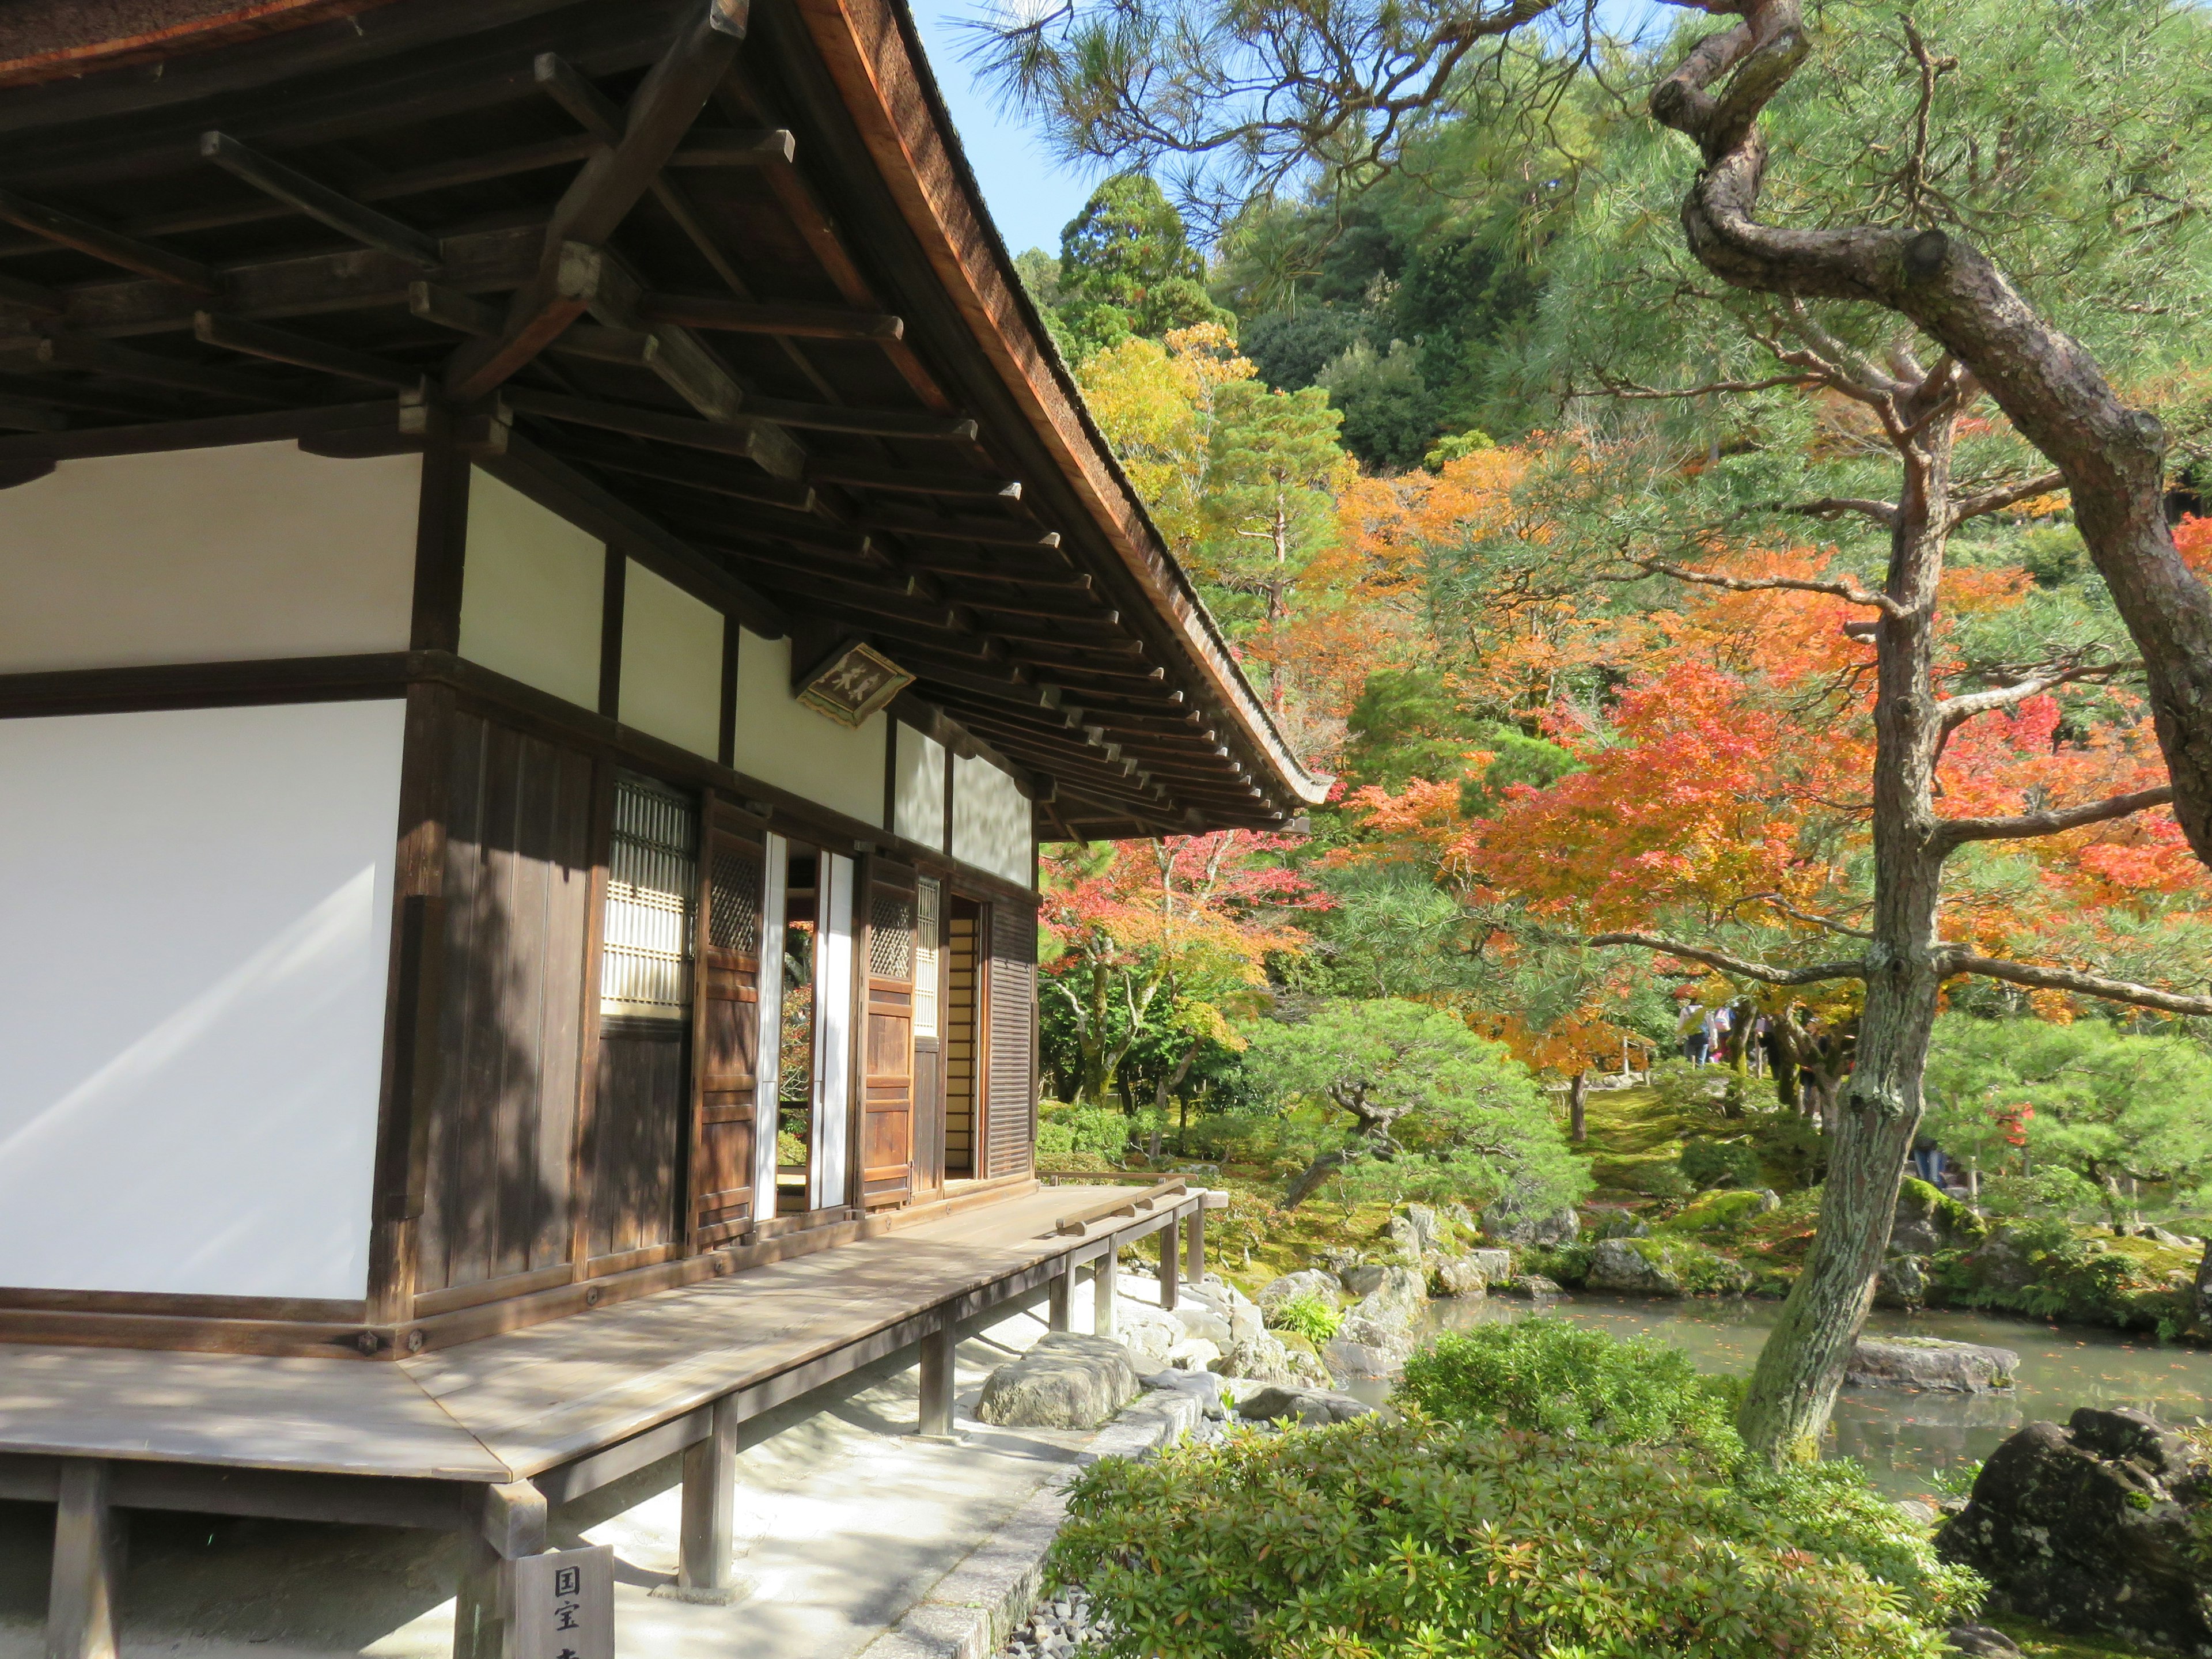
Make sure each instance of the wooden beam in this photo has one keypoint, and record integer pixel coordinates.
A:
(283, 346)
(607, 186)
(22, 415)
(758, 441)
(989, 532)
(92, 357)
(859, 475)
(433, 302)
(67, 230)
(88, 1568)
(34, 297)
(1018, 574)
(737, 485)
(731, 147)
(743, 317)
(364, 224)
(682, 361)
(863, 423)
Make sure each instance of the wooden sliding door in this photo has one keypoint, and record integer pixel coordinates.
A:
(639, 1115)
(727, 1122)
(1010, 1040)
(498, 1200)
(887, 1040)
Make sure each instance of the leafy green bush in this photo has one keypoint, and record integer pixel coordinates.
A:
(1418, 1539)
(1563, 1264)
(1706, 1164)
(1096, 1129)
(1309, 1315)
(1552, 1378)
(1789, 1144)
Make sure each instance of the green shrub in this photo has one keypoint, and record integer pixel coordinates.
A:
(1416, 1539)
(1791, 1145)
(1552, 1378)
(1095, 1129)
(1563, 1264)
(1828, 1510)
(1706, 1164)
(1309, 1315)
(1719, 1213)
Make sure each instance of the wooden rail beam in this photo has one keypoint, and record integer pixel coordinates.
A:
(310, 196)
(67, 230)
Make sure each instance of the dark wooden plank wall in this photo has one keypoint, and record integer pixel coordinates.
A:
(725, 1135)
(962, 1005)
(1010, 1064)
(887, 1058)
(637, 1139)
(517, 883)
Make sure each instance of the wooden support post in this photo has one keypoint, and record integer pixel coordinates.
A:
(1196, 1263)
(937, 1381)
(1103, 1272)
(710, 1505)
(1060, 1310)
(1171, 1237)
(512, 1525)
(88, 1541)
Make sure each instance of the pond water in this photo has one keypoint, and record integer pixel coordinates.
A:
(1904, 1439)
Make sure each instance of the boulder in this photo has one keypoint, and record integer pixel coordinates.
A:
(1416, 1231)
(1496, 1265)
(1533, 1285)
(1204, 1387)
(1508, 1224)
(1902, 1282)
(1620, 1224)
(1458, 1275)
(1149, 1333)
(1924, 1362)
(2173, 1241)
(1267, 1358)
(1617, 1264)
(2093, 1529)
(1067, 1380)
(1981, 1642)
(1199, 1320)
(1314, 1407)
(1460, 1215)
(1379, 1288)
(1314, 1282)
(1338, 1259)
(1192, 1353)
(1347, 1357)
(2199, 1291)
(1928, 1220)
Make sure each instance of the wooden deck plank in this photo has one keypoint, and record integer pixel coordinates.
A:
(330, 1417)
(512, 1404)
(541, 1395)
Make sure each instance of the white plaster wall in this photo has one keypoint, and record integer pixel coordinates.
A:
(918, 787)
(247, 552)
(671, 662)
(781, 742)
(197, 915)
(990, 820)
(533, 588)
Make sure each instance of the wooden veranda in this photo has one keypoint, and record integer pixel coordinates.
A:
(479, 1439)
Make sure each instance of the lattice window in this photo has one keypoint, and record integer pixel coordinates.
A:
(733, 922)
(890, 934)
(653, 875)
(926, 945)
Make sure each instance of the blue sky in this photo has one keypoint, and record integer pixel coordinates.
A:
(1029, 197)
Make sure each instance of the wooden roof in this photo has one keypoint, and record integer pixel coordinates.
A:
(724, 275)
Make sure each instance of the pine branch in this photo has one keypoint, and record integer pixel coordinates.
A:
(1814, 975)
(1848, 589)
(1954, 832)
(1996, 500)
(2088, 984)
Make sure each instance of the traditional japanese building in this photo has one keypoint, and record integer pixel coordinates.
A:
(550, 585)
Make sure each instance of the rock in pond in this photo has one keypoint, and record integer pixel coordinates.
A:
(1652, 1267)
(1066, 1380)
(1923, 1362)
(1458, 1275)
(2094, 1530)
(1902, 1282)
(1496, 1265)
(1380, 1289)
(1314, 1407)
(1534, 1285)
